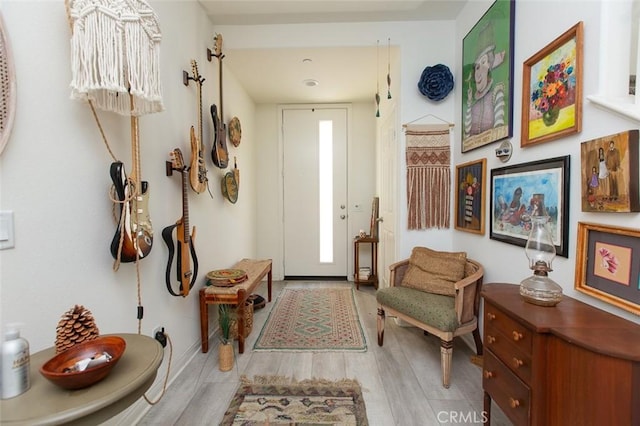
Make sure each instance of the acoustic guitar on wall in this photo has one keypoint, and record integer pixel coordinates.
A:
(186, 259)
(219, 152)
(197, 171)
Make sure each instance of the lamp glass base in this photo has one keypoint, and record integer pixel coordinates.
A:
(541, 290)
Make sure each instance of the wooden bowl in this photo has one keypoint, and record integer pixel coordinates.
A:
(57, 368)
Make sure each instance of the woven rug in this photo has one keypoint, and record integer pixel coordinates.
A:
(319, 319)
(270, 400)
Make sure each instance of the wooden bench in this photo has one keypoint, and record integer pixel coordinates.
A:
(236, 295)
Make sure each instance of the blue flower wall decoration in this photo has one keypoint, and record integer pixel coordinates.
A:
(436, 82)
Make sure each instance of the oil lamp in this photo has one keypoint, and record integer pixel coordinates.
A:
(539, 289)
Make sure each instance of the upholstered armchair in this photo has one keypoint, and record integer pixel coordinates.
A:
(438, 292)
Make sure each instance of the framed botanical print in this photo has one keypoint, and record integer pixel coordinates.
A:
(609, 170)
(470, 196)
(524, 190)
(552, 90)
(487, 77)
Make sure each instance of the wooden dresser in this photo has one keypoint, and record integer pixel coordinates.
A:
(571, 364)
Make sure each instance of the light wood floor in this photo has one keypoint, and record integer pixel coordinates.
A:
(401, 381)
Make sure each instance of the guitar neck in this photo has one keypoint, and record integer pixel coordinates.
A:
(200, 118)
(185, 206)
(135, 154)
(220, 83)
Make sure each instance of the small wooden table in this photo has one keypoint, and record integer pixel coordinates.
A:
(47, 404)
(236, 295)
(373, 278)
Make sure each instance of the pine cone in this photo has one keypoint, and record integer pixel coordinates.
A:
(75, 326)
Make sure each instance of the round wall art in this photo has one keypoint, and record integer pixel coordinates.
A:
(436, 82)
(235, 131)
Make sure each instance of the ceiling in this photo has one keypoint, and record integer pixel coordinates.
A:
(282, 72)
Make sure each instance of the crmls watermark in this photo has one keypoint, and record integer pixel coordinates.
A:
(453, 417)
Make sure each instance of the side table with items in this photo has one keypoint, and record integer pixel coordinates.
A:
(370, 276)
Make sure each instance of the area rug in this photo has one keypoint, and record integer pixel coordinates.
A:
(270, 400)
(318, 319)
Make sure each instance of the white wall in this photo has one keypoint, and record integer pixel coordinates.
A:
(54, 176)
(505, 262)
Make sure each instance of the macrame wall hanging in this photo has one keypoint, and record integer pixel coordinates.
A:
(428, 158)
(115, 52)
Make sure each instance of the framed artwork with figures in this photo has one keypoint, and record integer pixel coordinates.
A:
(609, 170)
(487, 77)
(536, 188)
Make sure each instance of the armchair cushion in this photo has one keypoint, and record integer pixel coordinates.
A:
(435, 271)
(434, 309)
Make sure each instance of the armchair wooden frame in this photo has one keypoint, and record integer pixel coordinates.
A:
(467, 305)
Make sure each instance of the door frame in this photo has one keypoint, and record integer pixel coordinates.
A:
(280, 181)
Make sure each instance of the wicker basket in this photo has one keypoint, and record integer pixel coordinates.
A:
(248, 321)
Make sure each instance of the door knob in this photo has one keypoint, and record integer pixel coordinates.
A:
(379, 219)
(342, 216)
(342, 206)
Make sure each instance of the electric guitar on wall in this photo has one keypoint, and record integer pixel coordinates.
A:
(186, 259)
(133, 238)
(219, 152)
(197, 171)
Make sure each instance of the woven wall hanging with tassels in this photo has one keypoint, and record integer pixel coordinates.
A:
(428, 158)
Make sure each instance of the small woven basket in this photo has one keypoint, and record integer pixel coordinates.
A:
(248, 321)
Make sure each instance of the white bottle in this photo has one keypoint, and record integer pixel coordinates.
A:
(15, 363)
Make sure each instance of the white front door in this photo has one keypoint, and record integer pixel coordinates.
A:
(388, 196)
(315, 192)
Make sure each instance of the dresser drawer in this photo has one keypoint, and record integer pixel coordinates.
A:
(511, 394)
(495, 319)
(509, 352)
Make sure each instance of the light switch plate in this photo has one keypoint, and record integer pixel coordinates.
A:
(6, 230)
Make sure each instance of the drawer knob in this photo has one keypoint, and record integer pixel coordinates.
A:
(491, 339)
(517, 336)
(491, 316)
(488, 374)
(514, 403)
(517, 362)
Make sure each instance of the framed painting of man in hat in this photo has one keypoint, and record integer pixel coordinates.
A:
(487, 77)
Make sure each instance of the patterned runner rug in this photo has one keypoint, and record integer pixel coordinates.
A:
(323, 319)
(270, 400)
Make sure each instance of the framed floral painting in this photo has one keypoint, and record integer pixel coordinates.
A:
(552, 90)
(487, 77)
(608, 264)
(470, 195)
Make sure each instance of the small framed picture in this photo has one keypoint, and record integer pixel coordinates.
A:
(470, 196)
(552, 90)
(609, 170)
(524, 190)
(608, 264)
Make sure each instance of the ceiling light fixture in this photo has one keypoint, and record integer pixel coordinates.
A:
(306, 61)
(310, 82)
